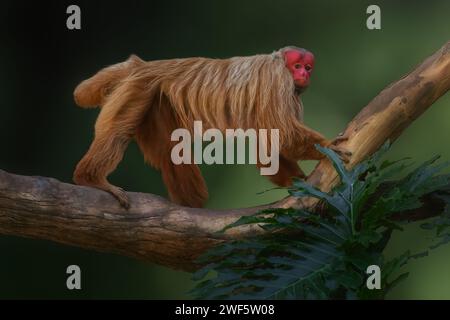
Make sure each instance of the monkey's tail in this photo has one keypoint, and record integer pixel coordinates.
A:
(91, 92)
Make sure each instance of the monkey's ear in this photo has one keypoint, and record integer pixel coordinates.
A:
(277, 55)
(134, 59)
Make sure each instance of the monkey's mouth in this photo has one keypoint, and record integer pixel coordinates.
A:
(300, 89)
(301, 82)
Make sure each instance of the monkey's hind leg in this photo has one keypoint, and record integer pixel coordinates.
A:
(115, 126)
(103, 156)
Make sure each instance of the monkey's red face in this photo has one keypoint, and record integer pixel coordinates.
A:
(300, 63)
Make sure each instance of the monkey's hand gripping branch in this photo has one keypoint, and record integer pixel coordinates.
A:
(157, 230)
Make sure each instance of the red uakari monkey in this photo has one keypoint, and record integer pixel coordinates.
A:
(146, 101)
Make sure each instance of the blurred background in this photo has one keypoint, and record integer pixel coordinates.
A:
(44, 133)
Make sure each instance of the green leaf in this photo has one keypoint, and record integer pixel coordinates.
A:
(349, 279)
(304, 255)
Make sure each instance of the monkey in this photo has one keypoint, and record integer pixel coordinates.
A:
(146, 101)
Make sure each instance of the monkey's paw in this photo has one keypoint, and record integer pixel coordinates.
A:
(340, 138)
(343, 153)
(121, 196)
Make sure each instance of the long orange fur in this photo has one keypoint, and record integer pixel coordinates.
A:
(148, 100)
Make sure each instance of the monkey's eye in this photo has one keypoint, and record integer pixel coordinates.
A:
(297, 66)
(308, 67)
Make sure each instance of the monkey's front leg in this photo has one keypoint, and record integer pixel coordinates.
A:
(305, 149)
(185, 184)
(287, 170)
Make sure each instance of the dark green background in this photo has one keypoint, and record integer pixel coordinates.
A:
(43, 133)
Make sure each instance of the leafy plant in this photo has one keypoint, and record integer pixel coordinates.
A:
(304, 255)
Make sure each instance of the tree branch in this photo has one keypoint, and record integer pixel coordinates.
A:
(156, 230)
